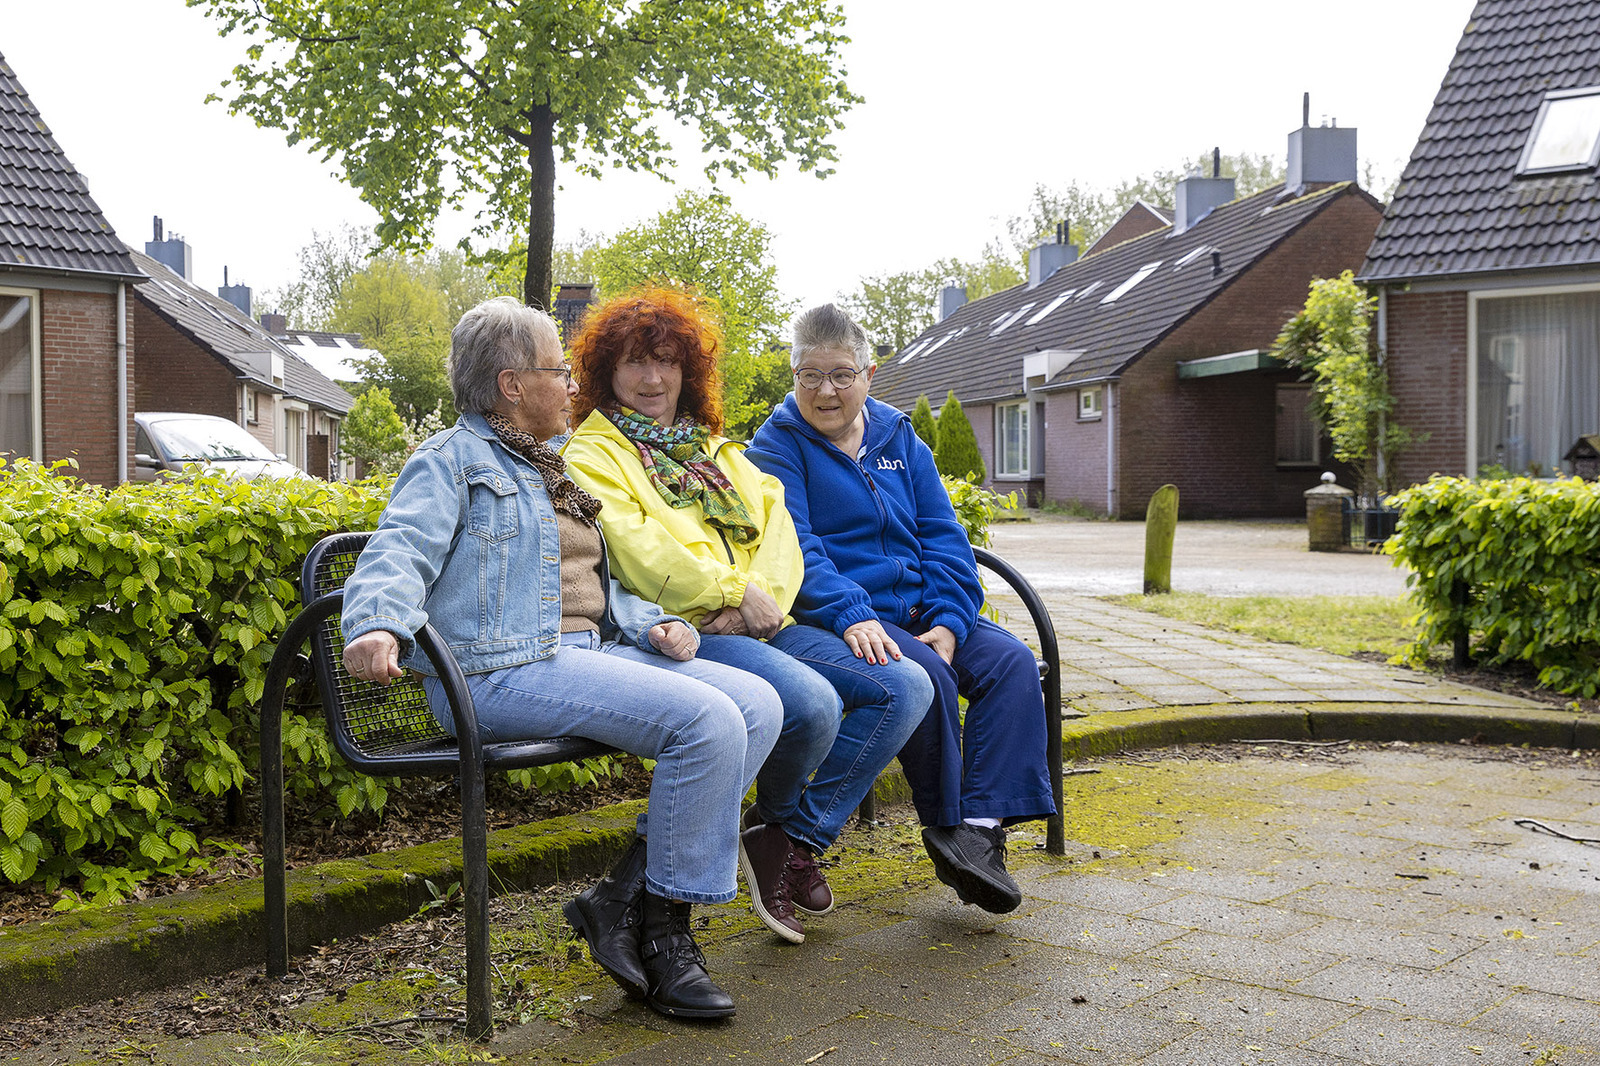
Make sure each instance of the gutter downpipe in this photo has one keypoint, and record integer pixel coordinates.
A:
(1383, 418)
(1111, 453)
(122, 382)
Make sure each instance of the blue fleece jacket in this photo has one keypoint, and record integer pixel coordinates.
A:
(880, 537)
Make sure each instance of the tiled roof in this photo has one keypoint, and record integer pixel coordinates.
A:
(217, 325)
(48, 220)
(978, 351)
(1459, 207)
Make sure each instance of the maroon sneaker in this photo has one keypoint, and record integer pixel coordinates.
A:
(808, 889)
(764, 854)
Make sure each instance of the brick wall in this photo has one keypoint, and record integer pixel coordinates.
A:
(179, 375)
(1074, 453)
(1215, 437)
(79, 367)
(1427, 361)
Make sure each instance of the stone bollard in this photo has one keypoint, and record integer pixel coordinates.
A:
(1160, 525)
(1325, 514)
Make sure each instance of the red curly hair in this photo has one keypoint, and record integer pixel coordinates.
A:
(650, 318)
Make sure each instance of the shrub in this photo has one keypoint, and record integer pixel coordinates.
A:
(922, 422)
(134, 640)
(956, 453)
(976, 508)
(1523, 552)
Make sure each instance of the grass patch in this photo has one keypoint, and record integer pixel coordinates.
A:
(1343, 625)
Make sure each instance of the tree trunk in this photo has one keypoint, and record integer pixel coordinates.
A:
(537, 283)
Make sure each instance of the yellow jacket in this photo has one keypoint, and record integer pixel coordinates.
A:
(672, 555)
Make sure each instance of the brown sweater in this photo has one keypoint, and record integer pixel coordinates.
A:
(583, 601)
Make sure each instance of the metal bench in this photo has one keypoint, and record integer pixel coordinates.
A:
(388, 731)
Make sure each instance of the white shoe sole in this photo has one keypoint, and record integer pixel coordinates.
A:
(765, 915)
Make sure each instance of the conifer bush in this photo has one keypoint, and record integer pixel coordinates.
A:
(956, 451)
(922, 422)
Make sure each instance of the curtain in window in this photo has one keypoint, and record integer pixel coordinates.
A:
(1538, 379)
(1297, 430)
(1014, 439)
(16, 375)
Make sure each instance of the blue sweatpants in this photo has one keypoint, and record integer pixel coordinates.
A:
(993, 765)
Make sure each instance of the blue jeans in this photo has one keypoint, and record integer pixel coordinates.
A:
(990, 764)
(811, 709)
(882, 705)
(709, 728)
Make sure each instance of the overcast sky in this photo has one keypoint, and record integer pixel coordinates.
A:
(968, 107)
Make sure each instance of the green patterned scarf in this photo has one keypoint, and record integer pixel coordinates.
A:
(678, 465)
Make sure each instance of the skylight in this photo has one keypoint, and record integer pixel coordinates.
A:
(1011, 319)
(1051, 306)
(911, 351)
(1084, 292)
(1191, 255)
(1566, 133)
(1138, 275)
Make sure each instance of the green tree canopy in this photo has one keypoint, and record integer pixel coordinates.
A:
(923, 423)
(703, 243)
(325, 265)
(956, 451)
(1331, 341)
(425, 103)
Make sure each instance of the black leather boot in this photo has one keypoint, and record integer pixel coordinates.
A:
(679, 985)
(608, 917)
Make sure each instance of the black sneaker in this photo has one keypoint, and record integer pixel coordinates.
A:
(972, 860)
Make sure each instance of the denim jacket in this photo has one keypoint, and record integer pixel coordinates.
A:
(469, 543)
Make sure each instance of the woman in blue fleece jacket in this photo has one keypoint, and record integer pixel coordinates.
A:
(889, 569)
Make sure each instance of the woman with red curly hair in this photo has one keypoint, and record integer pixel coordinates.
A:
(693, 525)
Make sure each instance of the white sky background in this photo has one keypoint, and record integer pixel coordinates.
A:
(968, 107)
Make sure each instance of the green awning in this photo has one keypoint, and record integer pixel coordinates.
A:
(1232, 363)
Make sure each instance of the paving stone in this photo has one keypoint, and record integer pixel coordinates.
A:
(1231, 917)
(1081, 1032)
(1385, 1037)
(1240, 958)
(1557, 1019)
(1440, 996)
(1249, 1012)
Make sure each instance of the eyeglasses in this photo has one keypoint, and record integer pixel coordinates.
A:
(841, 378)
(564, 370)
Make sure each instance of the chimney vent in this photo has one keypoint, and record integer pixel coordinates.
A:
(1319, 155)
(1216, 264)
(1197, 197)
(171, 252)
(1046, 259)
(951, 298)
(237, 295)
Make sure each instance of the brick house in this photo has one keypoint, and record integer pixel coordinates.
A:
(1146, 362)
(1487, 262)
(203, 354)
(67, 361)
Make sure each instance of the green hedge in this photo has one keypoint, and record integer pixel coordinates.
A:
(1526, 553)
(134, 640)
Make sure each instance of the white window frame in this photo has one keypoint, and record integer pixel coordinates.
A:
(293, 449)
(36, 370)
(1091, 404)
(1025, 407)
(252, 406)
(1469, 463)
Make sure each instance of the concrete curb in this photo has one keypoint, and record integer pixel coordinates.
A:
(86, 956)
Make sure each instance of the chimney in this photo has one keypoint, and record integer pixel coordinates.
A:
(275, 324)
(237, 295)
(1046, 259)
(173, 254)
(1319, 155)
(1197, 196)
(951, 297)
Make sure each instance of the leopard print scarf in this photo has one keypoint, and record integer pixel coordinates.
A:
(564, 492)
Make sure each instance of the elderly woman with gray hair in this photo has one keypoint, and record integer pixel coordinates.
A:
(486, 537)
(888, 567)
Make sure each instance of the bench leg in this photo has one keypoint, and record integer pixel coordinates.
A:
(475, 889)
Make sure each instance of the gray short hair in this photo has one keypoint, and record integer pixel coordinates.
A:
(824, 328)
(498, 334)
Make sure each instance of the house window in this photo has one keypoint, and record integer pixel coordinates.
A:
(1012, 444)
(1299, 436)
(1538, 378)
(251, 414)
(294, 436)
(19, 373)
(1088, 403)
(1566, 133)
